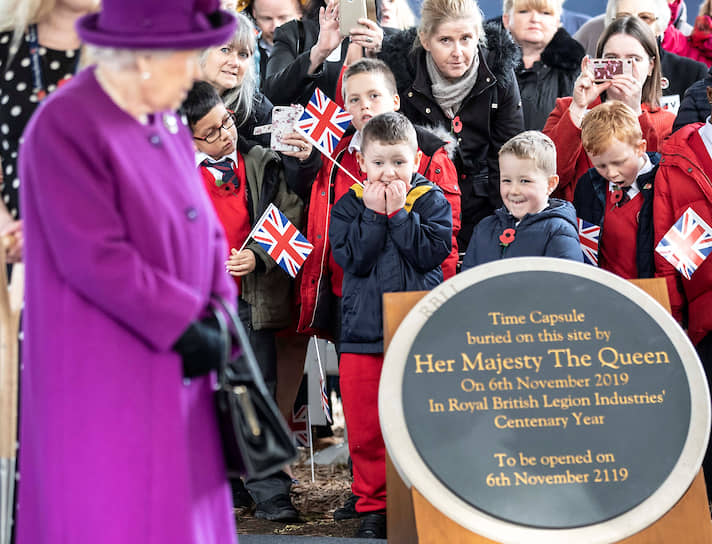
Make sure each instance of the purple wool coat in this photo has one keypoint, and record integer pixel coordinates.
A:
(122, 252)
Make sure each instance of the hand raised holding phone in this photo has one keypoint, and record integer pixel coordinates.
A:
(585, 91)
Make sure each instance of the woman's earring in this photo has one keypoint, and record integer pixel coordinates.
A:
(145, 75)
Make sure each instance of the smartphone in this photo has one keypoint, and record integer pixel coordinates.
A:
(350, 11)
(605, 69)
(283, 120)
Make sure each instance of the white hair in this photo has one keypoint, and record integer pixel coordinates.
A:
(119, 58)
(660, 8)
(241, 99)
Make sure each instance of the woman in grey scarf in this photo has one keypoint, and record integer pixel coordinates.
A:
(456, 74)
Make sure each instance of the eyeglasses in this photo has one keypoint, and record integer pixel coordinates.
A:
(646, 16)
(214, 133)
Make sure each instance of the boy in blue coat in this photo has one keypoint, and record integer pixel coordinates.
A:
(389, 235)
(530, 224)
(617, 193)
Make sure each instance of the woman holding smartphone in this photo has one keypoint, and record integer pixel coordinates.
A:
(311, 52)
(625, 38)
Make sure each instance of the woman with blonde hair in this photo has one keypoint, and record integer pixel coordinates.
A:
(551, 58)
(230, 69)
(27, 78)
(119, 437)
(455, 74)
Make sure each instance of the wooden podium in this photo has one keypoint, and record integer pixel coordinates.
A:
(412, 519)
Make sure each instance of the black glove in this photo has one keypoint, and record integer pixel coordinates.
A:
(201, 347)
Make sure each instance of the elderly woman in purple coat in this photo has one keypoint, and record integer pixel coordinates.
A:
(119, 439)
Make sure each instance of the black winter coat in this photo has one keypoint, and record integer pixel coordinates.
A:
(489, 116)
(679, 72)
(286, 81)
(549, 233)
(261, 115)
(590, 204)
(694, 107)
(548, 79)
(382, 254)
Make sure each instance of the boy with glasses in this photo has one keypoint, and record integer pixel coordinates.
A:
(242, 179)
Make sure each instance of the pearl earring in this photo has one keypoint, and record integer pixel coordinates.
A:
(145, 75)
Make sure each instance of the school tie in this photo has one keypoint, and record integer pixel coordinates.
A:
(225, 168)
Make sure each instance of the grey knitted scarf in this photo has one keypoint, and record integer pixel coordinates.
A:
(450, 94)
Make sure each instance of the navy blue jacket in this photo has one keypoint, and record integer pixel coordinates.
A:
(381, 254)
(590, 204)
(549, 233)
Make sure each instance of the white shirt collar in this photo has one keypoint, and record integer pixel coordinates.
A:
(705, 133)
(200, 157)
(355, 143)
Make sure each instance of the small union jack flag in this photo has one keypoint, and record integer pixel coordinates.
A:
(323, 122)
(299, 425)
(281, 240)
(687, 244)
(325, 400)
(588, 236)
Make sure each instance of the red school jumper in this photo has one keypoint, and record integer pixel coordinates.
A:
(230, 204)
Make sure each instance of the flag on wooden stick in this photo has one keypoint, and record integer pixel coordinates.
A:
(281, 240)
(323, 122)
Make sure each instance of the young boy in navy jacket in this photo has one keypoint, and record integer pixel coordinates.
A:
(391, 234)
(617, 193)
(530, 224)
(369, 89)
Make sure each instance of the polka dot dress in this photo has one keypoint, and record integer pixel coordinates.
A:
(18, 101)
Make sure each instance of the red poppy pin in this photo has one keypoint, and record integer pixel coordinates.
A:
(616, 196)
(507, 237)
(457, 125)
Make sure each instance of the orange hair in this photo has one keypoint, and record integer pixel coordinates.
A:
(607, 122)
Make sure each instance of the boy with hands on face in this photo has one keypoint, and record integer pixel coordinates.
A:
(391, 234)
(369, 89)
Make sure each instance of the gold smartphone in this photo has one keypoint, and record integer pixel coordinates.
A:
(350, 11)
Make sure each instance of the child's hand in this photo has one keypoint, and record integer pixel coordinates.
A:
(395, 196)
(240, 264)
(374, 197)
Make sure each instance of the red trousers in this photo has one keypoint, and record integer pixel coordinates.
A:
(359, 374)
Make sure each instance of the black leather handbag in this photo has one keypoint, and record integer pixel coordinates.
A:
(254, 435)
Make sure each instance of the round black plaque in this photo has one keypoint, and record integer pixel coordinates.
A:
(542, 400)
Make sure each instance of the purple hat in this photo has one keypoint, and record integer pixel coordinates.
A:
(156, 24)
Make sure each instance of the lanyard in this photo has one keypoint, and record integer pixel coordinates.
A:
(36, 64)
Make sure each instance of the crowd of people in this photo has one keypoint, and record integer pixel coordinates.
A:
(131, 193)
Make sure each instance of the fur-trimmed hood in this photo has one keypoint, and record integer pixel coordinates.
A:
(563, 52)
(400, 49)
